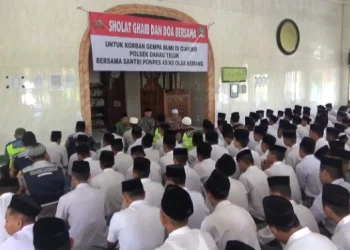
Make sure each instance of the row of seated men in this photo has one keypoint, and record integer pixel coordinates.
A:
(229, 188)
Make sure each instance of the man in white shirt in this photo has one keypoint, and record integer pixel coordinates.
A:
(228, 135)
(335, 201)
(58, 153)
(212, 138)
(136, 133)
(273, 126)
(137, 227)
(154, 190)
(122, 161)
(284, 224)
(177, 207)
(147, 144)
(249, 124)
(107, 144)
(128, 140)
(197, 139)
(332, 134)
(238, 193)
(303, 129)
(20, 217)
(175, 175)
(259, 132)
(193, 182)
(331, 172)
(110, 182)
(83, 209)
(267, 142)
(228, 221)
(278, 168)
(292, 157)
(169, 142)
(205, 164)
(255, 182)
(84, 154)
(316, 134)
(280, 186)
(308, 172)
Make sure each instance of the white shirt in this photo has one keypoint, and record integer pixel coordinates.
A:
(128, 140)
(95, 167)
(230, 222)
(106, 148)
(137, 227)
(263, 157)
(258, 148)
(321, 143)
(154, 192)
(272, 130)
(138, 142)
(186, 238)
(204, 169)
(200, 210)
(281, 169)
(341, 237)
(217, 152)
(152, 154)
(308, 173)
(73, 158)
(238, 194)
(292, 157)
(193, 182)
(305, 217)
(161, 149)
(154, 174)
(232, 150)
(21, 240)
(84, 211)
(122, 163)
(303, 131)
(255, 182)
(58, 154)
(304, 239)
(110, 182)
(167, 159)
(5, 200)
(317, 207)
(192, 157)
(252, 143)
(256, 159)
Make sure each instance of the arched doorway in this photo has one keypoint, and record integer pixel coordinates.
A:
(128, 9)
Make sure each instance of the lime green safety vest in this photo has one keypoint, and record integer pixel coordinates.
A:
(14, 148)
(187, 140)
(157, 135)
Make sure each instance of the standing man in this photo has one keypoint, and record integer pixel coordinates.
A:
(147, 122)
(187, 133)
(72, 139)
(174, 120)
(122, 125)
(14, 147)
(138, 226)
(177, 207)
(58, 153)
(83, 209)
(20, 218)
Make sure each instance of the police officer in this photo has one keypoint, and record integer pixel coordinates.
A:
(159, 122)
(21, 160)
(187, 133)
(71, 141)
(43, 181)
(14, 147)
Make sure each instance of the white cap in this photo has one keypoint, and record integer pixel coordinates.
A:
(186, 121)
(133, 120)
(175, 112)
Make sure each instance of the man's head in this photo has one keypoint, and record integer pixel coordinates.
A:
(164, 128)
(8, 185)
(148, 113)
(241, 139)
(332, 134)
(133, 121)
(217, 187)
(341, 127)
(80, 127)
(261, 113)
(237, 245)
(331, 169)
(117, 146)
(124, 118)
(180, 156)
(147, 141)
(267, 142)
(335, 199)
(280, 186)
(269, 112)
(197, 138)
(276, 153)
(280, 217)
(106, 159)
(227, 133)
(245, 160)
(212, 137)
(132, 191)
(186, 122)
(38, 153)
(80, 172)
(273, 120)
(280, 114)
(341, 115)
(136, 132)
(289, 137)
(337, 150)
(305, 121)
(56, 136)
(82, 140)
(141, 168)
(21, 212)
(204, 151)
(207, 126)
(221, 124)
(137, 151)
(29, 139)
(169, 141)
(175, 175)
(249, 123)
(107, 139)
(176, 208)
(51, 234)
(235, 118)
(226, 165)
(307, 147)
(83, 152)
(175, 113)
(329, 106)
(19, 132)
(259, 132)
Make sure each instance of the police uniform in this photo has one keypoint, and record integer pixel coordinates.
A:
(13, 148)
(83, 209)
(157, 135)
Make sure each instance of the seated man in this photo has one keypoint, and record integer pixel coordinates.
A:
(20, 218)
(147, 144)
(22, 160)
(57, 152)
(71, 140)
(14, 147)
